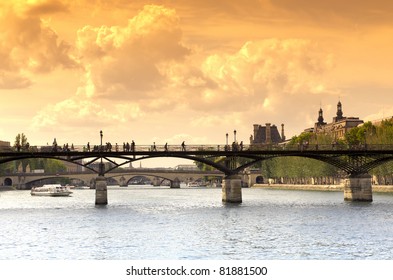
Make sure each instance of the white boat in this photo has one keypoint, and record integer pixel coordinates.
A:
(51, 190)
(196, 184)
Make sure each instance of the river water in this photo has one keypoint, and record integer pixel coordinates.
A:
(159, 223)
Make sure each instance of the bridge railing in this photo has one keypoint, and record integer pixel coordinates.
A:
(195, 148)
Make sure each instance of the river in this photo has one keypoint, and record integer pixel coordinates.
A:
(160, 223)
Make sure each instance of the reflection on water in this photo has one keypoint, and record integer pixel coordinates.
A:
(162, 223)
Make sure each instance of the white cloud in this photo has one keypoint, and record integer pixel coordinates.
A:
(125, 61)
(123, 70)
(28, 44)
(261, 72)
(143, 68)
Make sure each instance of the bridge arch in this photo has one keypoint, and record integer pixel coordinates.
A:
(7, 182)
(63, 177)
(156, 179)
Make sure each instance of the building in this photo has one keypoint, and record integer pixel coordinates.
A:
(267, 134)
(5, 146)
(339, 126)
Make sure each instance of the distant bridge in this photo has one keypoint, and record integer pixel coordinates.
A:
(356, 161)
(122, 177)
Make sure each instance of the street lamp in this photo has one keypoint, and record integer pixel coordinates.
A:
(101, 167)
(227, 139)
(234, 135)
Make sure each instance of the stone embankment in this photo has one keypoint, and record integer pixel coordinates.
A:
(376, 188)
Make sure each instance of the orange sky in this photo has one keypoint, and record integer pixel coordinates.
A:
(173, 70)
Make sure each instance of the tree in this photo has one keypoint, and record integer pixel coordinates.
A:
(21, 144)
(49, 165)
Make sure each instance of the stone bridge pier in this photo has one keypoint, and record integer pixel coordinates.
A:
(175, 184)
(101, 191)
(358, 187)
(232, 189)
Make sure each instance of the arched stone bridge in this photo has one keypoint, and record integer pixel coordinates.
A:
(121, 177)
(356, 161)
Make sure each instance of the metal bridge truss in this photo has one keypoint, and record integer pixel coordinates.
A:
(351, 159)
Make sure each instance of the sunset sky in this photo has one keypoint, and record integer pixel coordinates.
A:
(174, 70)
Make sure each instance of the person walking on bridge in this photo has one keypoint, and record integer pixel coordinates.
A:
(183, 147)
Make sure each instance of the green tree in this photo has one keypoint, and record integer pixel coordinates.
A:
(21, 144)
(54, 166)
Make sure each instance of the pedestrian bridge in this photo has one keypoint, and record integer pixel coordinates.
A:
(356, 161)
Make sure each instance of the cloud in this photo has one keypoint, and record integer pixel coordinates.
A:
(9, 80)
(125, 61)
(29, 45)
(84, 113)
(324, 12)
(260, 71)
(123, 65)
(44, 7)
(384, 113)
(142, 72)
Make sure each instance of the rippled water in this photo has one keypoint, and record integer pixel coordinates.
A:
(163, 223)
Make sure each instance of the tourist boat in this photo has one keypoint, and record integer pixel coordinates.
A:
(196, 184)
(51, 190)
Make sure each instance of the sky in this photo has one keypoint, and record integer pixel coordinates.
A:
(174, 70)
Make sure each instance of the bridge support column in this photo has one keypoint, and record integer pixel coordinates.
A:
(156, 182)
(358, 188)
(232, 189)
(101, 191)
(175, 184)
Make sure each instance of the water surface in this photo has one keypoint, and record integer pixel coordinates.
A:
(193, 224)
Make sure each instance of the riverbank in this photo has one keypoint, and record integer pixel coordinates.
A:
(332, 188)
(7, 188)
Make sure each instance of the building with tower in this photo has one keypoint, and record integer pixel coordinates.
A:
(339, 125)
(267, 134)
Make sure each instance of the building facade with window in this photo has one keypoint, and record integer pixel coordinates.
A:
(267, 134)
(339, 126)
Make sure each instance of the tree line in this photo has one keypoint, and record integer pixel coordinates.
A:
(48, 165)
(296, 168)
(304, 170)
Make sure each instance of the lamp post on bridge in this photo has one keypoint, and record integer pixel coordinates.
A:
(101, 136)
(231, 185)
(101, 184)
(101, 166)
